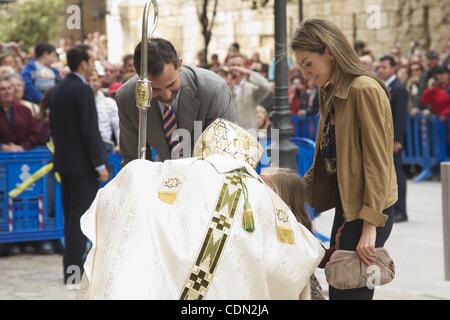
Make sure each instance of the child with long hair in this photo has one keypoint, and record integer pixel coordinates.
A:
(289, 187)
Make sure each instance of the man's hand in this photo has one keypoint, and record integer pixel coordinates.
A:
(397, 147)
(17, 147)
(237, 74)
(426, 112)
(301, 112)
(11, 147)
(7, 148)
(414, 111)
(431, 83)
(117, 149)
(256, 66)
(103, 175)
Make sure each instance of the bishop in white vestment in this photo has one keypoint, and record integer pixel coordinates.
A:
(199, 228)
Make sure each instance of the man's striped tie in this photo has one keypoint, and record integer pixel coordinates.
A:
(169, 122)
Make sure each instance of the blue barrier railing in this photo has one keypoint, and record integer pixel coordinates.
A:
(426, 144)
(37, 213)
(444, 132)
(305, 126)
(305, 154)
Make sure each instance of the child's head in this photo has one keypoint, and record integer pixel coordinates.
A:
(262, 117)
(289, 187)
(45, 53)
(442, 75)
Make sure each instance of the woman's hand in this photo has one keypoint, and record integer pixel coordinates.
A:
(366, 245)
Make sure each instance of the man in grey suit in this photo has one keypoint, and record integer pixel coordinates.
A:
(181, 95)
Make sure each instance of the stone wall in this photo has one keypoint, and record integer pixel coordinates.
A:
(235, 21)
(93, 13)
(400, 21)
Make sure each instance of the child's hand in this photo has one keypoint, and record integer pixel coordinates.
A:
(431, 83)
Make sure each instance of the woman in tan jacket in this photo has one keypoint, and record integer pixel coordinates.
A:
(353, 169)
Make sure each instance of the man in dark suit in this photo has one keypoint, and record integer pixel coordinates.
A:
(79, 156)
(181, 95)
(399, 103)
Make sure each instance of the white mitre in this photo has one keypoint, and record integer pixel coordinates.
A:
(177, 230)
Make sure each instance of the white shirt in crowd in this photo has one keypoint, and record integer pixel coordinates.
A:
(108, 117)
(391, 79)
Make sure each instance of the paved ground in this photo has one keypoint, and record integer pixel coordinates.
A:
(416, 246)
(33, 277)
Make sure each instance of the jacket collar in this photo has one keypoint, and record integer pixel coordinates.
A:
(344, 88)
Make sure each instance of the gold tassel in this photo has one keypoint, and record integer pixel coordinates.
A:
(167, 197)
(248, 223)
(285, 235)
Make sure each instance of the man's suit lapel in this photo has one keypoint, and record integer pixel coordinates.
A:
(188, 105)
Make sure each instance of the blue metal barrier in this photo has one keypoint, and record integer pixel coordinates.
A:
(305, 126)
(30, 216)
(444, 131)
(264, 162)
(305, 154)
(37, 213)
(114, 166)
(425, 144)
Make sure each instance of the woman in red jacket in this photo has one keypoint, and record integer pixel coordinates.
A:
(437, 94)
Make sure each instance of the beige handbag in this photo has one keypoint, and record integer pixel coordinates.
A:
(345, 270)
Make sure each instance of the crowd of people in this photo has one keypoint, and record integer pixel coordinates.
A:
(424, 74)
(252, 84)
(27, 82)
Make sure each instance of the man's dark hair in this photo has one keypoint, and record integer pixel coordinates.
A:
(160, 53)
(390, 59)
(441, 69)
(76, 55)
(42, 48)
(432, 55)
(236, 46)
(359, 45)
(126, 58)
